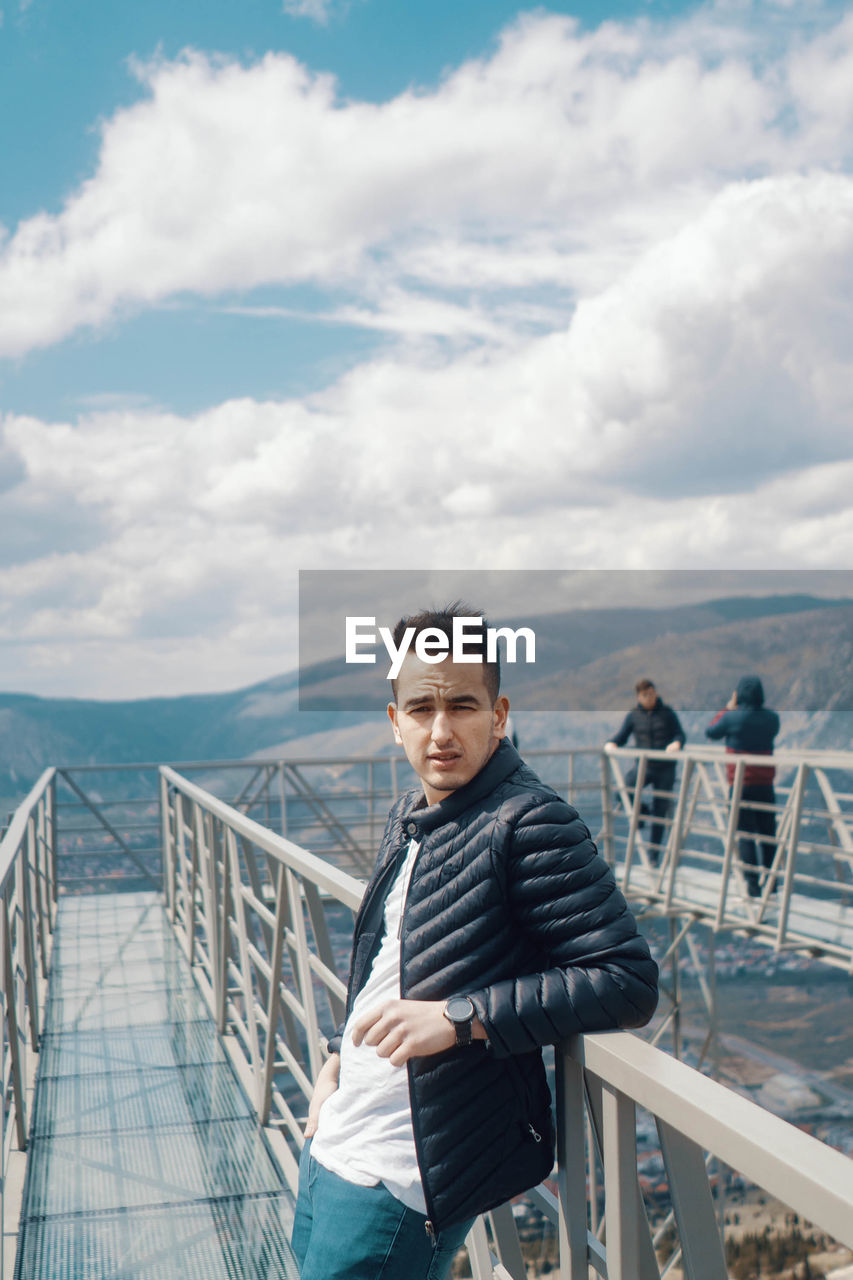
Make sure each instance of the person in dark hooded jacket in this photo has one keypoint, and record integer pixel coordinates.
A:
(750, 728)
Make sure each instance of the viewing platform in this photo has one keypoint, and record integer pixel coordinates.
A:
(144, 1156)
(174, 951)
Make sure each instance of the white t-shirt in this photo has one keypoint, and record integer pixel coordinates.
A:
(364, 1133)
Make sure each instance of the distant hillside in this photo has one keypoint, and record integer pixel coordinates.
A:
(584, 675)
(805, 661)
(590, 659)
(36, 732)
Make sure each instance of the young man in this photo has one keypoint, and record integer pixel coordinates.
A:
(750, 728)
(490, 927)
(655, 727)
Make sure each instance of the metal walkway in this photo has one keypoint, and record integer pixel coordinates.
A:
(145, 1160)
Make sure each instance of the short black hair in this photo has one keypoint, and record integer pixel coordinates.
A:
(645, 683)
(475, 638)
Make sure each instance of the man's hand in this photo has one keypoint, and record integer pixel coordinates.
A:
(609, 746)
(403, 1029)
(324, 1086)
(675, 745)
(732, 702)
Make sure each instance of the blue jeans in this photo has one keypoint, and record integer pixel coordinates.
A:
(345, 1232)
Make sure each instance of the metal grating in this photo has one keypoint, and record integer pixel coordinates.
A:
(145, 1158)
(123, 1101)
(118, 973)
(90, 1052)
(245, 1239)
(95, 1010)
(86, 1173)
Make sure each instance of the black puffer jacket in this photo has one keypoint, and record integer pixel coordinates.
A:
(510, 904)
(653, 730)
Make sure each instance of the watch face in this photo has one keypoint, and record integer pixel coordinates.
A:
(459, 1009)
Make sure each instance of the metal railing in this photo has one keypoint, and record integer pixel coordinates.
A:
(108, 820)
(267, 926)
(805, 895)
(27, 915)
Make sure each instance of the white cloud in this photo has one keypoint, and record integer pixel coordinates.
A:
(674, 422)
(559, 157)
(614, 273)
(316, 10)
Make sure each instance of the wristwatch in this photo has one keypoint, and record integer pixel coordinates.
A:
(460, 1011)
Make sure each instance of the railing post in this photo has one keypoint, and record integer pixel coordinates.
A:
(282, 799)
(731, 840)
(223, 925)
(634, 818)
(52, 828)
(274, 994)
(676, 987)
(16, 1053)
(790, 861)
(678, 827)
(168, 845)
(39, 885)
(620, 1177)
(571, 1173)
(245, 966)
(701, 1246)
(184, 879)
(303, 966)
(630, 1253)
(206, 844)
(606, 811)
(25, 913)
(479, 1255)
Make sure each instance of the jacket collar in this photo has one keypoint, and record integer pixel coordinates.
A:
(504, 761)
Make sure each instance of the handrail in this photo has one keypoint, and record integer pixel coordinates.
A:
(245, 900)
(14, 834)
(804, 898)
(792, 1165)
(27, 915)
(327, 877)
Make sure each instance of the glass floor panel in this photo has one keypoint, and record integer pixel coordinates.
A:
(175, 1044)
(243, 1239)
(145, 1159)
(94, 1009)
(140, 1099)
(120, 973)
(84, 1173)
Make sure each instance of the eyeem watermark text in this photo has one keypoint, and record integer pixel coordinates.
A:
(432, 645)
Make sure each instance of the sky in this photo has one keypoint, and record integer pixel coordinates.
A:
(354, 284)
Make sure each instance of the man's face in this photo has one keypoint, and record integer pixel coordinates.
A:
(445, 722)
(647, 697)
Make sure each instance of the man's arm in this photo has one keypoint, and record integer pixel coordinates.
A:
(600, 974)
(719, 726)
(619, 739)
(403, 1029)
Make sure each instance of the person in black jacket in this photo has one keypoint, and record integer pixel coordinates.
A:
(490, 927)
(750, 728)
(655, 727)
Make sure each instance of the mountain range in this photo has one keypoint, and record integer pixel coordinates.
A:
(582, 680)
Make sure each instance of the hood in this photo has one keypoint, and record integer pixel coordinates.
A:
(750, 692)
